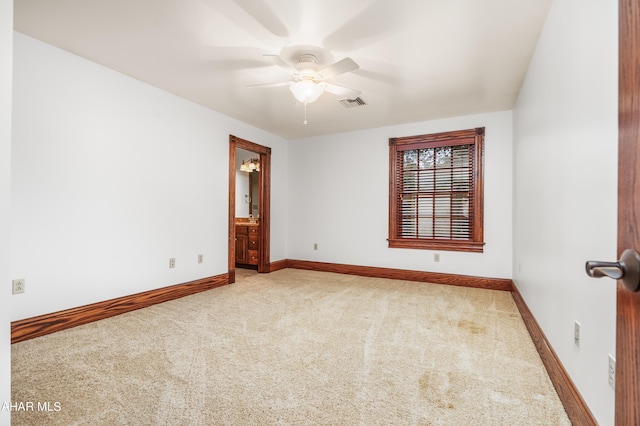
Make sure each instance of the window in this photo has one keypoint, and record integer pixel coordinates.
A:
(436, 191)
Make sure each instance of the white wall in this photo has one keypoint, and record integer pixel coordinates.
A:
(339, 198)
(565, 189)
(6, 59)
(111, 178)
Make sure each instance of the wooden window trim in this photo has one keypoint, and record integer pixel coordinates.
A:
(460, 137)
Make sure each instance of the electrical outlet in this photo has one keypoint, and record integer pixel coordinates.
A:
(18, 285)
(172, 262)
(436, 257)
(612, 372)
(200, 258)
(576, 333)
(315, 246)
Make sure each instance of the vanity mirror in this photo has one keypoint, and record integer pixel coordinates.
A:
(247, 184)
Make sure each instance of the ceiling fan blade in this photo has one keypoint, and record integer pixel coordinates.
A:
(283, 83)
(234, 58)
(341, 91)
(340, 67)
(234, 64)
(263, 14)
(374, 23)
(278, 61)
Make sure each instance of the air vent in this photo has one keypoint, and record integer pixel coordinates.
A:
(353, 103)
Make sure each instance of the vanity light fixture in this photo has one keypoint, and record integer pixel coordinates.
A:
(249, 166)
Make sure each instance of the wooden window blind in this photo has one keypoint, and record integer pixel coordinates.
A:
(436, 191)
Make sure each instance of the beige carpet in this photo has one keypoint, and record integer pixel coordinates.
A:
(295, 348)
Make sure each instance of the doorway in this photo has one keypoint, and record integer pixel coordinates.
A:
(263, 192)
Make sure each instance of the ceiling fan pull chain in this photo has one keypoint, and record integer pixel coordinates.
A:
(305, 113)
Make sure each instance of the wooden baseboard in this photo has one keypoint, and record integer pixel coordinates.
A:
(574, 405)
(404, 274)
(276, 266)
(49, 323)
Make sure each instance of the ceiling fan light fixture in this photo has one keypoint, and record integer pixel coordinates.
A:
(306, 91)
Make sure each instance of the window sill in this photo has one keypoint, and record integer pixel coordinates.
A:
(444, 245)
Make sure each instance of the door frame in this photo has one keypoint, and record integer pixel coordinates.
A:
(264, 203)
(627, 408)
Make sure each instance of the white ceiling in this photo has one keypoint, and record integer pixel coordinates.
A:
(419, 59)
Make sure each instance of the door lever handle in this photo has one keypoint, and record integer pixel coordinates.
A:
(613, 270)
(626, 269)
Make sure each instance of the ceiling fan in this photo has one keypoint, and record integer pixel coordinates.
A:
(309, 81)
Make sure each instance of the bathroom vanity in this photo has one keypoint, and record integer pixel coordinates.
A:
(247, 243)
